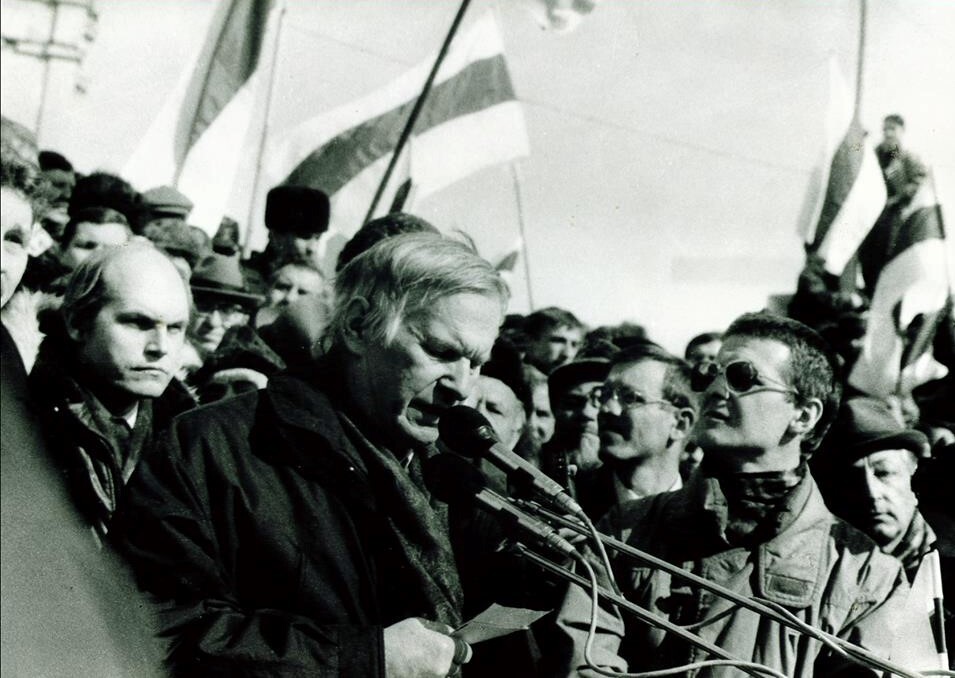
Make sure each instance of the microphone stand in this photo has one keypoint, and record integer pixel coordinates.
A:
(858, 654)
(641, 613)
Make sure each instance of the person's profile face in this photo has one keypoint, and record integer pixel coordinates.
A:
(747, 424)
(403, 386)
(16, 230)
(542, 418)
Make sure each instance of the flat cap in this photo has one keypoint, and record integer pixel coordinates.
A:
(166, 200)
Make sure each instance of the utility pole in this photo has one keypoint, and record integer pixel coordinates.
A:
(54, 48)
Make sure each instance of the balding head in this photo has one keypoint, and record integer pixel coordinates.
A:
(127, 310)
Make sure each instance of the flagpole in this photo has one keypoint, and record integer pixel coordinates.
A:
(270, 88)
(519, 199)
(861, 60)
(416, 111)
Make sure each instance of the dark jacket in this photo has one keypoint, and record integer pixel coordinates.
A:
(82, 452)
(821, 569)
(67, 607)
(257, 526)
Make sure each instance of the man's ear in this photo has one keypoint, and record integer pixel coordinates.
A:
(808, 413)
(74, 333)
(685, 418)
(355, 326)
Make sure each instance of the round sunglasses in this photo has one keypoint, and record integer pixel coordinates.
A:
(741, 377)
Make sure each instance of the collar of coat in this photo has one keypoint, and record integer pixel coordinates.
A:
(791, 566)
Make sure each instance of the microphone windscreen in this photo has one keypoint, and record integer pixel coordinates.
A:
(466, 431)
(452, 479)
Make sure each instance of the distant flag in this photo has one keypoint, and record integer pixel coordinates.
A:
(506, 264)
(904, 262)
(215, 115)
(855, 191)
(471, 120)
(838, 115)
(560, 16)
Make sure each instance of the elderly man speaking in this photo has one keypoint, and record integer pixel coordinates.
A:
(288, 531)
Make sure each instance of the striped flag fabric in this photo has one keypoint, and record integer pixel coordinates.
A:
(855, 195)
(471, 120)
(852, 189)
(904, 261)
(216, 113)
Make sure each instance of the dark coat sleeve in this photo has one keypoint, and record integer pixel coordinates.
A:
(190, 544)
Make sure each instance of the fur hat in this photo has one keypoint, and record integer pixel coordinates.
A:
(297, 210)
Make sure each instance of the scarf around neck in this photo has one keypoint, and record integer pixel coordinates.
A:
(751, 507)
(419, 532)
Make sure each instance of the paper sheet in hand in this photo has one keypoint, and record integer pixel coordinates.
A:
(496, 621)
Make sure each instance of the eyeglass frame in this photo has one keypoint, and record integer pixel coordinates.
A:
(595, 399)
(706, 370)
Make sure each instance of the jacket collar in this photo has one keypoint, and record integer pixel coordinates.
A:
(297, 425)
(790, 566)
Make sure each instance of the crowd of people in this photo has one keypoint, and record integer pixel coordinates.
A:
(226, 465)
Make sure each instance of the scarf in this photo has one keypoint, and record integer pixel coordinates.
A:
(751, 507)
(427, 583)
(914, 546)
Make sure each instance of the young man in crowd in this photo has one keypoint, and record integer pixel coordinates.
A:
(749, 521)
(106, 383)
(647, 410)
(288, 531)
(89, 230)
(554, 338)
(574, 447)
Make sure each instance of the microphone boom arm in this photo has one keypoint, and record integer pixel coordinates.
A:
(641, 613)
(856, 653)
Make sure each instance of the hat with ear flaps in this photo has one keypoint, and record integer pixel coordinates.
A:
(299, 211)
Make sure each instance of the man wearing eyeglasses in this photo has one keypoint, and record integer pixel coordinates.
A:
(753, 521)
(646, 411)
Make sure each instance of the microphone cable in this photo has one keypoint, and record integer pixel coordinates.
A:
(662, 673)
(846, 649)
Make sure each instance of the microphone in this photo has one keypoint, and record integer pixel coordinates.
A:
(452, 479)
(469, 433)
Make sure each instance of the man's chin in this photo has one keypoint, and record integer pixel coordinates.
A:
(423, 432)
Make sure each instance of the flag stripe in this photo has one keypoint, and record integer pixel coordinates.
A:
(843, 172)
(892, 236)
(230, 57)
(478, 86)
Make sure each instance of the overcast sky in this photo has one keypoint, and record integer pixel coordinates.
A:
(672, 143)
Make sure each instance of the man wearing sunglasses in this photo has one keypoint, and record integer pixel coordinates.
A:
(646, 411)
(751, 520)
